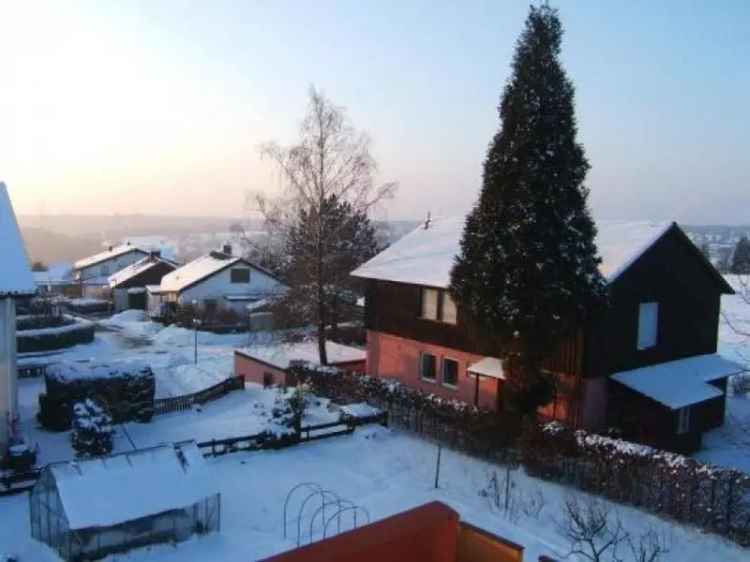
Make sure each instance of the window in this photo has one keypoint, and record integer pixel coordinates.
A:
(438, 305)
(449, 308)
(648, 324)
(683, 420)
(427, 367)
(240, 276)
(450, 372)
(430, 303)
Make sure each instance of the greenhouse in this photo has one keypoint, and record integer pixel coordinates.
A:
(91, 508)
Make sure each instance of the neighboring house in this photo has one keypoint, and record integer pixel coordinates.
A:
(16, 281)
(129, 284)
(57, 280)
(659, 333)
(216, 283)
(93, 272)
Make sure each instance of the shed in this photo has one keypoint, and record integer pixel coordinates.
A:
(268, 364)
(91, 508)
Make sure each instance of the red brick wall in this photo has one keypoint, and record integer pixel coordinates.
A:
(398, 358)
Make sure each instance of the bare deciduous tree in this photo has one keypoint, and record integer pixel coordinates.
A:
(593, 532)
(330, 161)
(649, 547)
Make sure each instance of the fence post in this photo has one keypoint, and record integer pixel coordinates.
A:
(437, 466)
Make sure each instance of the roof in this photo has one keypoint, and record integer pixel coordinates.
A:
(114, 252)
(137, 268)
(106, 491)
(202, 268)
(280, 356)
(677, 384)
(15, 276)
(426, 256)
(491, 367)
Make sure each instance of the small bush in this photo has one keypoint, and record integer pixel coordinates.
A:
(92, 429)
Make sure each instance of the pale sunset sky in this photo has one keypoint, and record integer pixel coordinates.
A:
(158, 106)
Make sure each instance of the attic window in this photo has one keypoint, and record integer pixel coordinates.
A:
(240, 276)
(438, 305)
(648, 324)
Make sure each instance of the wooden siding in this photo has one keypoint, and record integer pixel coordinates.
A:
(689, 298)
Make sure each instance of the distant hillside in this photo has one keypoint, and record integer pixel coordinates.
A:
(53, 247)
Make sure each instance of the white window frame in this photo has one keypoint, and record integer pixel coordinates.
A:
(648, 325)
(421, 367)
(683, 420)
(442, 372)
(424, 313)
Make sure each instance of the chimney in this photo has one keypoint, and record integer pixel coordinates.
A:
(428, 220)
(109, 248)
(227, 249)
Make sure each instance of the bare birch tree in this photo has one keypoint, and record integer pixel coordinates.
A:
(330, 161)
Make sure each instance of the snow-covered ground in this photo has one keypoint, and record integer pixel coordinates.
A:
(729, 445)
(382, 470)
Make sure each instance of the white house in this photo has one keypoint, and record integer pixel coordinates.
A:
(93, 272)
(214, 282)
(16, 281)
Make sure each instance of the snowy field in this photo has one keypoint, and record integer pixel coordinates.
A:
(384, 471)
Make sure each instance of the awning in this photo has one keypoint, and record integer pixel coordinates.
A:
(491, 367)
(680, 383)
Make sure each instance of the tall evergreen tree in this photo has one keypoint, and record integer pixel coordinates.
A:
(528, 266)
(741, 257)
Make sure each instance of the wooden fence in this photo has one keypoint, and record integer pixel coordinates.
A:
(186, 401)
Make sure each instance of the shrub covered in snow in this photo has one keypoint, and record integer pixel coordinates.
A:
(127, 388)
(92, 429)
(54, 332)
(714, 498)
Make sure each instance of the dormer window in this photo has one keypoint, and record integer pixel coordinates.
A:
(439, 306)
(648, 324)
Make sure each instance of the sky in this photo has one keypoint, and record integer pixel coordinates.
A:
(159, 107)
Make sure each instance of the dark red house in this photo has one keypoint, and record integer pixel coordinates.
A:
(647, 364)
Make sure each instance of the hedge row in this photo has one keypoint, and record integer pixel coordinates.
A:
(48, 339)
(713, 498)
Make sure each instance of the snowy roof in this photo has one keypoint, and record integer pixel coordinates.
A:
(680, 383)
(426, 256)
(136, 269)
(197, 270)
(108, 254)
(110, 490)
(281, 355)
(15, 274)
(488, 367)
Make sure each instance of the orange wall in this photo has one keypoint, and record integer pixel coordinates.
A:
(426, 534)
(398, 358)
(253, 370)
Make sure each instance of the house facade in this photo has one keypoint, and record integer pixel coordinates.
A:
(129, 284)
(92, 273)
(16, 281)
(215, 283)
(663, 309)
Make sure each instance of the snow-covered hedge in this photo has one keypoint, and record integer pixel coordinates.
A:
(714, 498)
(455, 422)
(92, 429)
(89, 305)
(125, 387)
(69, 331)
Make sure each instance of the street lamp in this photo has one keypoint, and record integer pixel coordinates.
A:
(196, 323)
